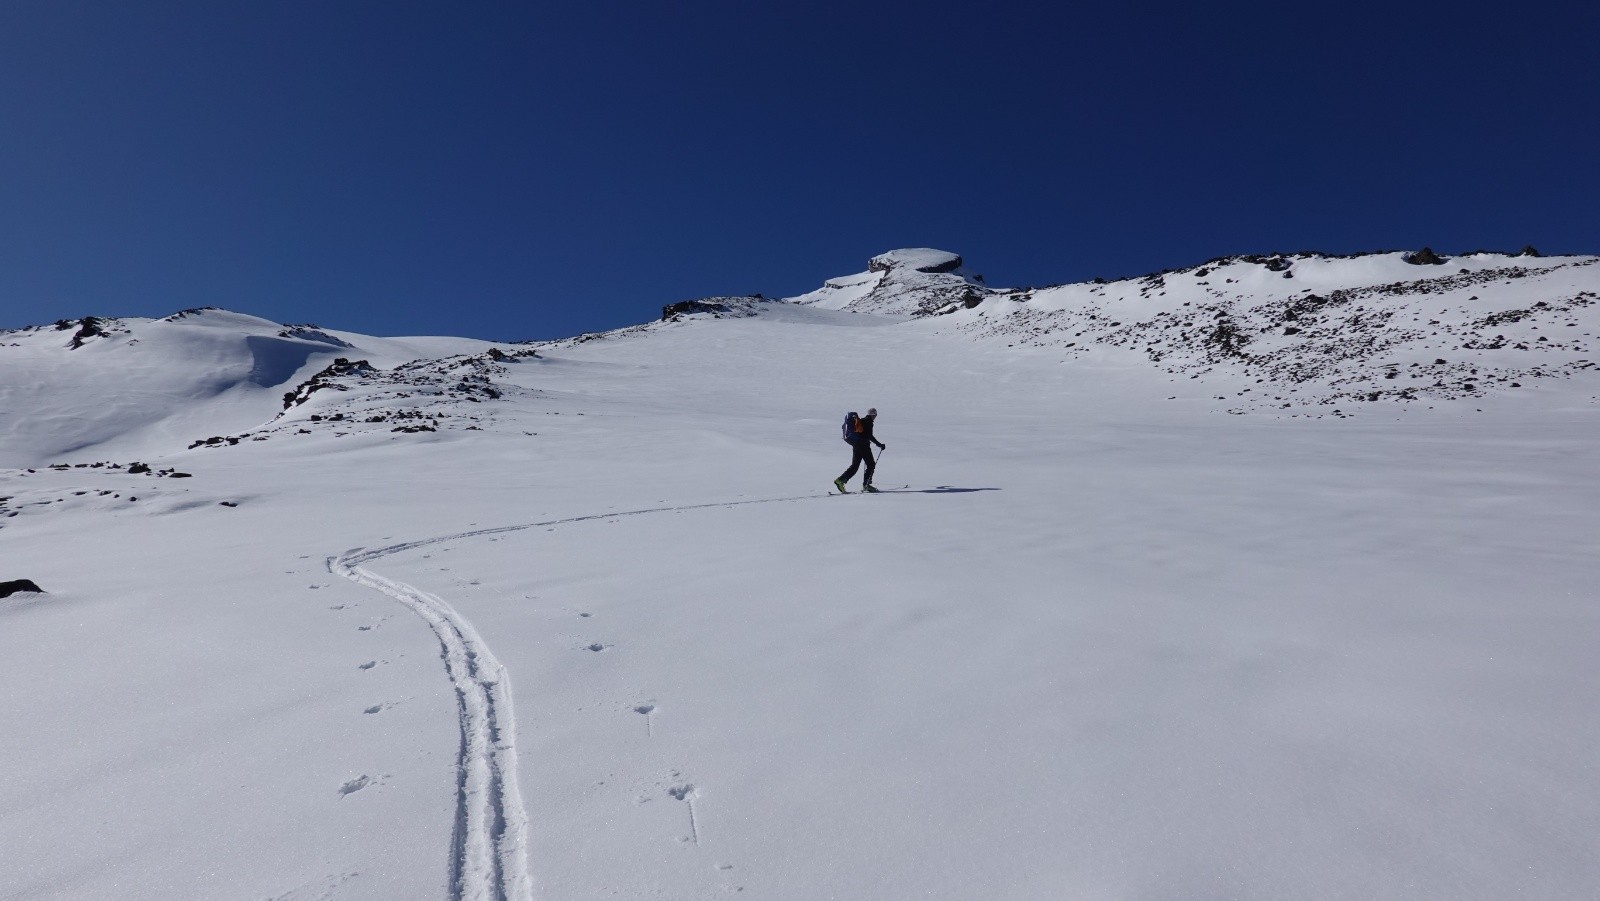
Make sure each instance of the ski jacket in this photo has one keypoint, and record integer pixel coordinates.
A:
(864, 437)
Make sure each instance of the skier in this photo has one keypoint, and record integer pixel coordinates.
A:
(861, 441)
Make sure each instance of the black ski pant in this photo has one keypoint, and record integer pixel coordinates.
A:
(863, 454)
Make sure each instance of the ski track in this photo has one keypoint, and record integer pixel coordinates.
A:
(489, 843)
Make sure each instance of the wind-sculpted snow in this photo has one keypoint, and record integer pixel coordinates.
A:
(911, 282)
(96, 387)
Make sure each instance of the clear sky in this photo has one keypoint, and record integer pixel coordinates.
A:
(534, 170)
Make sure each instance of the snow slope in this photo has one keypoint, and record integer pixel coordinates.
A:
(583, 621)
(92, 389)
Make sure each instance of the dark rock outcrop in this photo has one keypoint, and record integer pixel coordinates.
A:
(323, 379)
(192, 311)
(1424, 257)
(692, 306)
(7, 589)
(730, 307)
(310, 332)
(88, 327)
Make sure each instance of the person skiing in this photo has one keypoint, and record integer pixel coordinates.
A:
(859, 434)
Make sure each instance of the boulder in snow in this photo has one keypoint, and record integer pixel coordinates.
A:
(7, 589)
(1424, 257)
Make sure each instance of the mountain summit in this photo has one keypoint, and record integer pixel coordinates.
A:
(910, 282)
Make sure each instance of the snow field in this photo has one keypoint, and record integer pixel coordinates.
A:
(1106, 646)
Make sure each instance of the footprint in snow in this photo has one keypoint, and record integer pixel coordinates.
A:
(368, 665)
(354, 785)
(649, 723)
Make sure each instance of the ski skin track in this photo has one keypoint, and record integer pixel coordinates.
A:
(489, 843)
(489, 859)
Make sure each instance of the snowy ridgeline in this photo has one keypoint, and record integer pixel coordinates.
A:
(296, 613)
(1305, 330)
(1301, 334)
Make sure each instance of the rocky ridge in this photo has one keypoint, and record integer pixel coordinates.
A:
(1293, 334)
(353, 396)
(1494, 323)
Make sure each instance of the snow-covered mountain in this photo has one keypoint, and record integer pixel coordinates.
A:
(140, 387)
(1298, 334)
(333, 616)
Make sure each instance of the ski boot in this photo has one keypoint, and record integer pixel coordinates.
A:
(869, 489)
(839, 484)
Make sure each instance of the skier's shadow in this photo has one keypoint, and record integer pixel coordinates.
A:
(942, 489)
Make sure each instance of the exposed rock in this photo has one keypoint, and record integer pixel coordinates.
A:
(719, 307)
(1424, 257)
(7, 589)
(692, 306)
(192, 311)
(312, 333)
(88, 327)
(1345, 342)
(497, 355)
(324, 379)
(1226, 338)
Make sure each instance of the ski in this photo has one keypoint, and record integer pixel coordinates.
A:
(879, 491)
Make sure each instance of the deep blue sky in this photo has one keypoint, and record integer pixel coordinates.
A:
(512, 170)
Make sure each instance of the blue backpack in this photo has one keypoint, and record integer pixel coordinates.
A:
(851, 427)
